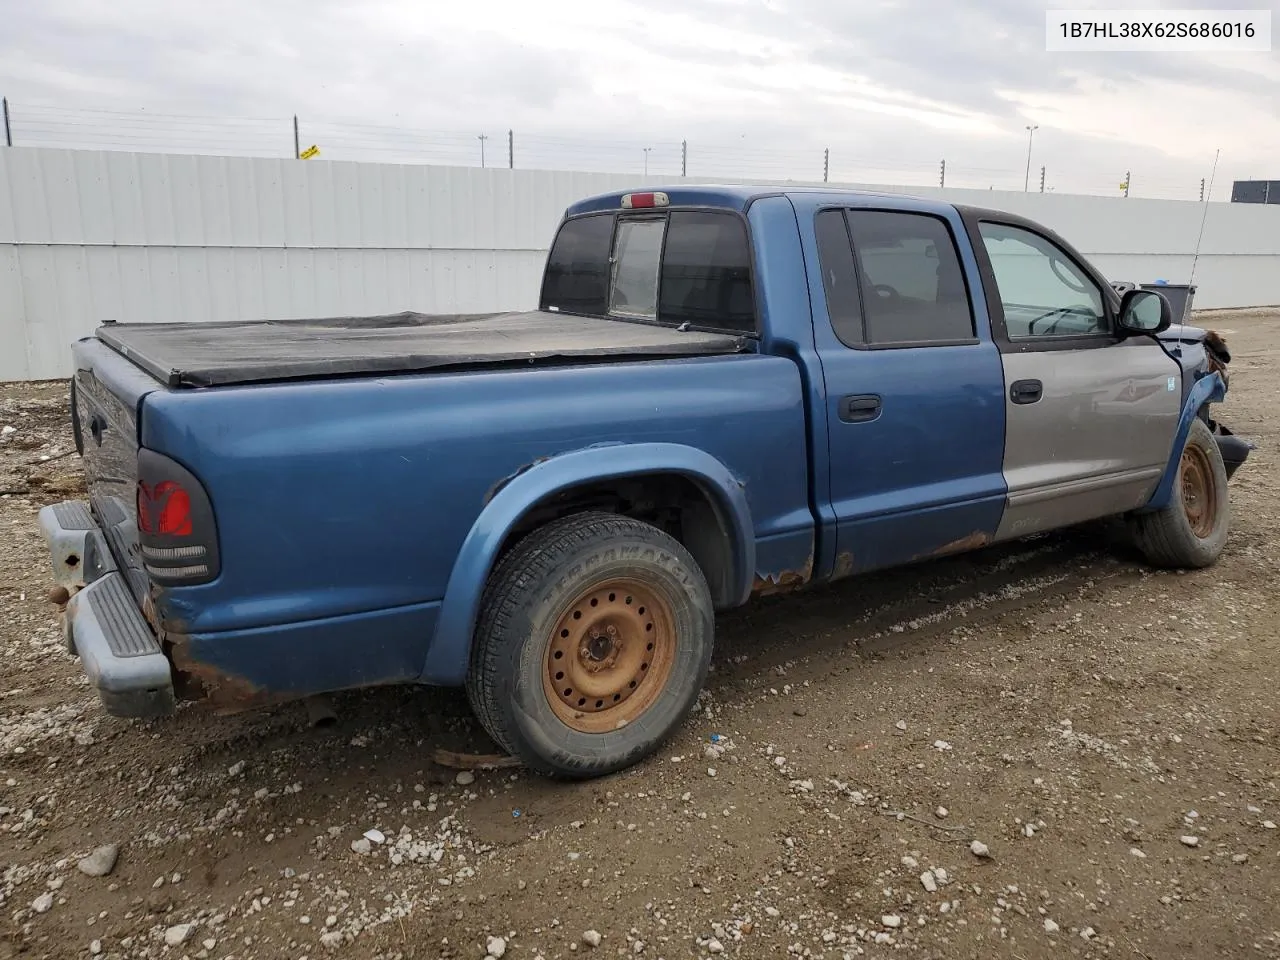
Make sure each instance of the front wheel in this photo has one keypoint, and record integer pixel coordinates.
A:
(594, 641)
(1191, 530)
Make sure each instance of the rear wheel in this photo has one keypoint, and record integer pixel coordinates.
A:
(594, 640)
(1191, 530)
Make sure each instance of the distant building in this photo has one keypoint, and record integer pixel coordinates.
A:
(1255, 191)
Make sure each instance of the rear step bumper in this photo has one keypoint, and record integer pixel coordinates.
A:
(103, 625)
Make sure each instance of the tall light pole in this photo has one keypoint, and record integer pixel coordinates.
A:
(482, 138)
(646, 160)
(1031, 132)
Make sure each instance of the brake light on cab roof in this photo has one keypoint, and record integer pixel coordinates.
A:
(637, 201)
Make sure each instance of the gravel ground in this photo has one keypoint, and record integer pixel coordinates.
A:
(1040, 750)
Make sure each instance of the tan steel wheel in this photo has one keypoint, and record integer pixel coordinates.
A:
(610, 656)
(1199, 502)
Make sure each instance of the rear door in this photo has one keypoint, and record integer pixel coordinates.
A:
(1090, 417)
(914, 389)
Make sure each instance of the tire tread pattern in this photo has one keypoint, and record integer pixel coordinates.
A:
(1165, 536)
(529, 563)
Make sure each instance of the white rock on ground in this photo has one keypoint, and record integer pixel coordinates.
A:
(495, 947)
(176, 936)
(891, 920)
(101, 862)
(42, 903)
(591, 938)
(942, 813)
(1050, 926)
(979, 849)
(464, 778)
(715, 946)
(1189, 841)
(928, 881)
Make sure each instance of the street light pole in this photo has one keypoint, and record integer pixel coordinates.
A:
(1031, 132)
(482, 138)
(646, 160)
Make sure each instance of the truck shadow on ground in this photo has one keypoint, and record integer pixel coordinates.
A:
(383, 739)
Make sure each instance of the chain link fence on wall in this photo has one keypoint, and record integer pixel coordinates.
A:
(149, 132)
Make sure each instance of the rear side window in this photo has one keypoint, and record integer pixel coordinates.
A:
(577, 275)
(706, 272)
(689, 266)
(913, 288)
(839, 277)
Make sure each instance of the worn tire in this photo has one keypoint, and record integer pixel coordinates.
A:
(1181, 534)
(563, 571)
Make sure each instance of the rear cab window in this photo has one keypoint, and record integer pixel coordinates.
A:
(671, 267)
(892, 278)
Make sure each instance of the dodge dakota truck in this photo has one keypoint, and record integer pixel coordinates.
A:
(724, 392)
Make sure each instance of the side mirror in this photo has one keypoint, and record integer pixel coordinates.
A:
(1144, 311)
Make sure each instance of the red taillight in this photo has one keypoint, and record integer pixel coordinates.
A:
(177, 532)
(166, 510)
(637, 201)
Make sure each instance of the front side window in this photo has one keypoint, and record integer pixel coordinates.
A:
(1043, 292)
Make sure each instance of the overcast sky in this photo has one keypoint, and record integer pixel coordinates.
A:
(757, 87)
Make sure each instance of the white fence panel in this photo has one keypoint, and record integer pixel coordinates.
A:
(88, 236)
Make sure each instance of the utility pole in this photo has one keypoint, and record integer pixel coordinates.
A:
(482, 138)
(297, 146)
(684, 158)
(826, 163)
(1031, 132)
(1126, 182)
(1042, 178)
(942, 175)
(1202, 189)
(511, 149)
(8, 134)
(646, 160)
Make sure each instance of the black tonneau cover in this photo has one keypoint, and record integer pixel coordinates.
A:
(216, 354)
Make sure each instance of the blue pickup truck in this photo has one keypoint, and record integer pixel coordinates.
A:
(724, 392)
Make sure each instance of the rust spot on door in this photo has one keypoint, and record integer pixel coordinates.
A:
(767, 584)
(972, 542)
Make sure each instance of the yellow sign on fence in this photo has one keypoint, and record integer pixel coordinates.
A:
(311, 151)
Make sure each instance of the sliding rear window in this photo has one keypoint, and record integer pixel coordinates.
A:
(685, 266)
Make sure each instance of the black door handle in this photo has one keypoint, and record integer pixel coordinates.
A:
(1026, 391)
(859, 409)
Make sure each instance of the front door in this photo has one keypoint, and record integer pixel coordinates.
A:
(915, 391)
(1090, 417)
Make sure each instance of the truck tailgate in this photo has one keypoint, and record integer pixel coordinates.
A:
(214, 354)
(105, 400)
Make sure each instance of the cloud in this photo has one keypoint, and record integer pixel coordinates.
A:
(757, 87)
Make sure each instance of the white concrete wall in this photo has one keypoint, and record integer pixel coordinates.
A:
(88, 236)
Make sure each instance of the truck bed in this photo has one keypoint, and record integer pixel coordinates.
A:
(219, 354)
